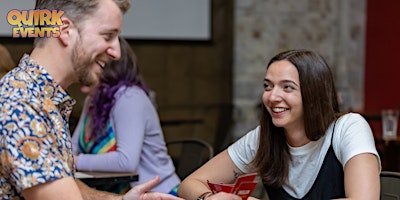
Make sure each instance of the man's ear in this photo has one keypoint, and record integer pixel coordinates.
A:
(67, 29)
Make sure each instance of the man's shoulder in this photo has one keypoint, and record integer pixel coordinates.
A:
(17, 93)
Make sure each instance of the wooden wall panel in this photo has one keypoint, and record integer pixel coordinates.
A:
(190, 78)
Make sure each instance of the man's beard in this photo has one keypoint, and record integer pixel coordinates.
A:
(82, 64)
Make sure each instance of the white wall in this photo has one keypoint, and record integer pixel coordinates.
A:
(147, 19)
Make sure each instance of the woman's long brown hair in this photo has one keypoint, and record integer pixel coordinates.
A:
(321, 108)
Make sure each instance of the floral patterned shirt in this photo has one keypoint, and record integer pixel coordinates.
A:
(35, 143)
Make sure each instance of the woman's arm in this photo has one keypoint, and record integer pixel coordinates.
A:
(361, 177)
(223, 168)
(219, 169)
(129, 126)
(356, 147)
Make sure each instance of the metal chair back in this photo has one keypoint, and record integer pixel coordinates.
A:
(189, 154)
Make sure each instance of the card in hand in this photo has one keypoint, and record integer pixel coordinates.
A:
(243, 186)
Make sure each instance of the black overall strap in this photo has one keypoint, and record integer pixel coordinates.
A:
(329, 183)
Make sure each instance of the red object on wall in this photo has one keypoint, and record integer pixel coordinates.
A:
(382, 57)
(382, 73)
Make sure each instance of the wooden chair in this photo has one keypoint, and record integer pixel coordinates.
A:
(189, 154)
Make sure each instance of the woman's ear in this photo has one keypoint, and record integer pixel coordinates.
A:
(66, 31)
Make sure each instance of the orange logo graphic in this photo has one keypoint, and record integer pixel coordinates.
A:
(35, 23)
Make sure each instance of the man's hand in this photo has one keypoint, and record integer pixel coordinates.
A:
(142, 192)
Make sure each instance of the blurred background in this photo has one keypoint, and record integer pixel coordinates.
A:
(210, 88)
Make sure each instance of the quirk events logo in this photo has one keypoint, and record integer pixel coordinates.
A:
(35, 23)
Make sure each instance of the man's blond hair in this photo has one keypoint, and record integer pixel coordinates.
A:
(76, 10)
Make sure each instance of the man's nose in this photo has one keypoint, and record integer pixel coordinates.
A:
(114, 51)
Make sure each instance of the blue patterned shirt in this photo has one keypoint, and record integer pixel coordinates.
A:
(35, 143)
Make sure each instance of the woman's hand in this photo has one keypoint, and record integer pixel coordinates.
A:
(223, 196)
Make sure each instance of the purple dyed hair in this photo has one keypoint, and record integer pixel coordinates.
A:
(117, 73)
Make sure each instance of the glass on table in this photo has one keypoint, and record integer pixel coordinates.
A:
(390, 119)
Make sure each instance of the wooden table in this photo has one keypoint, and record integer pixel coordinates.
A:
(94, 179)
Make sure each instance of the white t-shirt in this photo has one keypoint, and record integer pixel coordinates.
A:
(352, 136)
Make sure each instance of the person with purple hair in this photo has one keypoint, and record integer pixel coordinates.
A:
(36, 157)
(119, 128)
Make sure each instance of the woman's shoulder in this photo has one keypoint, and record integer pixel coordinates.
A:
(251, 136)
(132, 95)
(130, 89)
(352, 118)
(352, 127)
(352, 136)
(130, 92)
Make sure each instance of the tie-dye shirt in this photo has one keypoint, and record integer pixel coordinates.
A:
(35, 143)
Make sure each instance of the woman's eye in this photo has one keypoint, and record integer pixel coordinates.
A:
(289, 87)
(267, 86)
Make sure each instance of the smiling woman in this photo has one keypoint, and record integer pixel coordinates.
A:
(304, 147)
(119, 129)
(282, 96)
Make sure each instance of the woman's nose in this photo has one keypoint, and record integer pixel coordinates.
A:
(275, 95)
